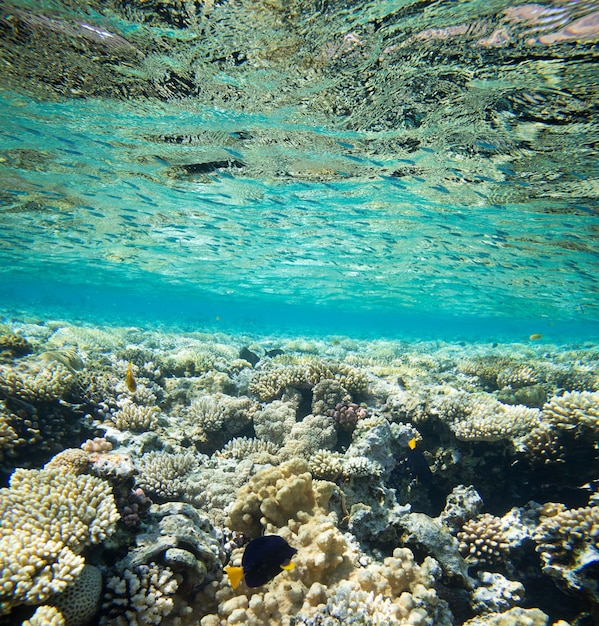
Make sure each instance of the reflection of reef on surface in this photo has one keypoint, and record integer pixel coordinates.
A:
(208, 451)
(496, 97)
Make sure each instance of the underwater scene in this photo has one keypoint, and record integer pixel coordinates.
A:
(299, 314)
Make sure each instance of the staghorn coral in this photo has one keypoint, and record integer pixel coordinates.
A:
(13, 343)
(361, 467)
(268, 384)
(35, 383)
(215, 419)
(138, 596)
(568, 543)
(165, 475)
(47, 517)
(575, 410)
(575, 414)
(482, 541)
(136, 418)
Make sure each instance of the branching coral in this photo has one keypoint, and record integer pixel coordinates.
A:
(568, 542)
(482, 418)
(34, 383)
(482, 540)
(134, 417)
(139, 596)
(166, 475)
(47, 517)
(268, 384)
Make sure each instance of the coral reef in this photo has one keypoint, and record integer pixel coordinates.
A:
(48, 517)
(568, 543)
(319, 456)
(138, 596)
(166, 475)
(268, 384)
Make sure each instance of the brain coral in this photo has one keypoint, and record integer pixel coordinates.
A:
(47, 517)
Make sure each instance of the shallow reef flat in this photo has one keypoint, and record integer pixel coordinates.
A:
(421, 483)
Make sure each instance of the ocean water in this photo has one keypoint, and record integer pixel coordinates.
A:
(370, 168)
(210, 210)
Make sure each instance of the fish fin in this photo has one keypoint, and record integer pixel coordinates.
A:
(288, 566)
(235, 575)
(412, 444)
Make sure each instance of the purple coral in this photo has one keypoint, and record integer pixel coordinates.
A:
(346, 416)
(133, 506)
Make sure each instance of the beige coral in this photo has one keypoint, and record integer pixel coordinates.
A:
(35, 383)
(482, 540)
(45, 615)
(273, 496)
(72, 460)
(47, 517)
(135, 417)
(515, 616)
(268, 384)
(574, 410)
(564, 534)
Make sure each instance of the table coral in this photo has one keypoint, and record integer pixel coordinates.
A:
(47, 518)
(473, 417)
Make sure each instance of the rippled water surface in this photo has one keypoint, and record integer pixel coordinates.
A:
(293, 161)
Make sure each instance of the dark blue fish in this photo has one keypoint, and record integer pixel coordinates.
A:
(262, 560)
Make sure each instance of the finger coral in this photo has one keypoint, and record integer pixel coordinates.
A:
(47, 518)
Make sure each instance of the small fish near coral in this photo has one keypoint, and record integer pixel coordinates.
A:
(417, 463)
(130, 379)
(535, 337)
(263, 559)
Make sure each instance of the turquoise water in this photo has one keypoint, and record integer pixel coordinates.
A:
(373, 169)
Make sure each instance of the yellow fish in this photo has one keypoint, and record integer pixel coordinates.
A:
(536, 336)
(130, 380)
